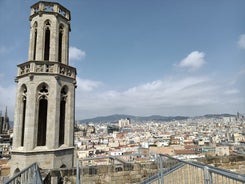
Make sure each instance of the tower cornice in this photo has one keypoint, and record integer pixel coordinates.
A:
(50, 7)
(46, 67)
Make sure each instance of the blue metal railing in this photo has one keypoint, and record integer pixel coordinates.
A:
(167, 170)
(173, 170)
(29, 175)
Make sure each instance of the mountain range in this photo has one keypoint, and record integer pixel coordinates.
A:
(116, 117)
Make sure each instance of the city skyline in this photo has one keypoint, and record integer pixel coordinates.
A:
(140, 57)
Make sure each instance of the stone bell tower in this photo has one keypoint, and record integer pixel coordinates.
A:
(45, 97)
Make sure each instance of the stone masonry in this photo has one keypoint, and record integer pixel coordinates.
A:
(45, 97)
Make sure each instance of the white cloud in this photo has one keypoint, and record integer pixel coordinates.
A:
(231, 91)
(171, 91)
(239, 77)
(170, 96)
(76, 54)
(241, 41)
(193, 61)
(87, 85)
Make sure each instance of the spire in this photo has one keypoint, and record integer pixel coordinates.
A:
(6, 112)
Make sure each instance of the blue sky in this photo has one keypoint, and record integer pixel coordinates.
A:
(141, 57)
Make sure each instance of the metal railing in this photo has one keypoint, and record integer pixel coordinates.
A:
(173, 170)
(132, 168)
(29, 175)
(157, 169)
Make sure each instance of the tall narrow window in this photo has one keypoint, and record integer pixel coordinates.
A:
(47, 43)
(34, 40)
(62, 115)
(42, 116)
(23, 115)
(60, 44)
(35, 45)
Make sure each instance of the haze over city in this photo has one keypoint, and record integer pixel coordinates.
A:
(141, 57)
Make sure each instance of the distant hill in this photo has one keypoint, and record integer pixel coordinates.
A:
(217, 115)
(110, 118)
(116, 117)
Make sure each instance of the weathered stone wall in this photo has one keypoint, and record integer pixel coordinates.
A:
(232, 163)
(119, 174)
(138, 172)
(107, 174)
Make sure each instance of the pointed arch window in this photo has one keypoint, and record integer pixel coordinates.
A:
(42, 115)
(24, 95)
(35, 41)
(63, 96)
(61, 30)
(47, 41)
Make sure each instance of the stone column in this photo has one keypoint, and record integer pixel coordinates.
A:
(30, 136)
(52, 140)
(31, 43)
(40, 40)
(70, 116)
(17, 119)
(54, 35)
(65, 45)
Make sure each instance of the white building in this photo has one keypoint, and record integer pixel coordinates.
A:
(124, 122)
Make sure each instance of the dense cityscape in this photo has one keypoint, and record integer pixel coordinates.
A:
(196, 137)
(189, 138)
(47, 141)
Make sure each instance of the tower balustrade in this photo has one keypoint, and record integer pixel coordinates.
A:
(50, 7)
(46, 67)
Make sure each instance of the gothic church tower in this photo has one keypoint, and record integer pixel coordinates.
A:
(45, 97)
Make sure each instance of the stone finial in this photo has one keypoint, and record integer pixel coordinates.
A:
(6, 112)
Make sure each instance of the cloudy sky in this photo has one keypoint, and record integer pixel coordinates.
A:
(141, 57)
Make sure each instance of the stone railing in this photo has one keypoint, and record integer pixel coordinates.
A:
(52, 7)
(41, 67)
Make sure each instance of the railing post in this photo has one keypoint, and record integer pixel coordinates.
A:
(161, 169)
(35, 175)
(78, 173)
(158, 168)
(207, 176)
